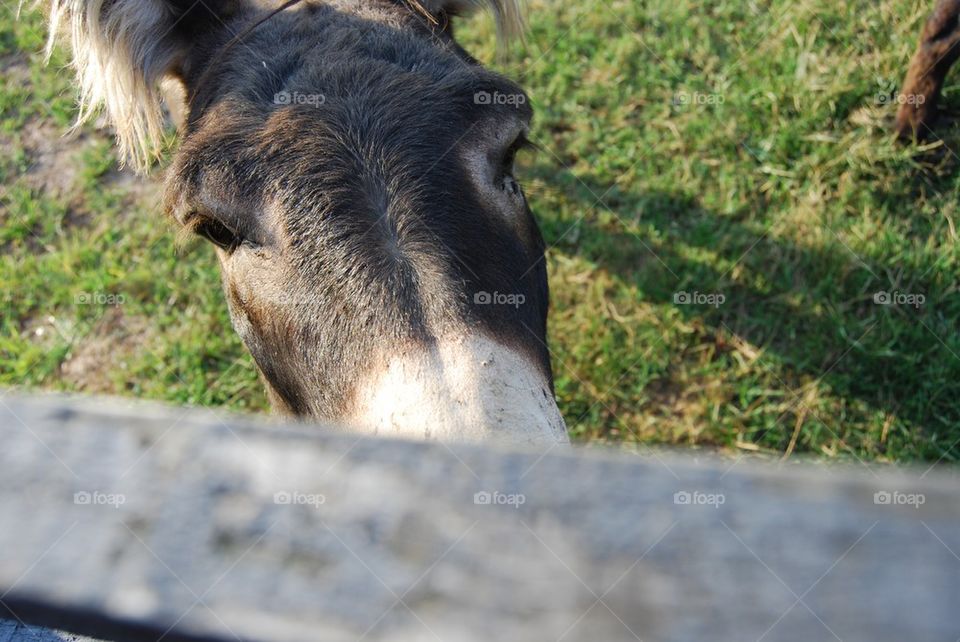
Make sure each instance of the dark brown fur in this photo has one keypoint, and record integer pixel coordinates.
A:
(937, 51)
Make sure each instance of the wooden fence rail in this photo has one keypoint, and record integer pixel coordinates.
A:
(137, 521)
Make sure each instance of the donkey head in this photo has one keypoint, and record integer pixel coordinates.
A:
(353, 167)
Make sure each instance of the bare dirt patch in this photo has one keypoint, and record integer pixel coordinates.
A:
(113, 341)
(54, 157)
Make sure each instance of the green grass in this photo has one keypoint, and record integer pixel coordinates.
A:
(734, 148)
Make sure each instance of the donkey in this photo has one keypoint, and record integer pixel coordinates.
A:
(353, 167)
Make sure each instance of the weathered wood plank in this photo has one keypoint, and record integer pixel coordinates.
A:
(136, 522)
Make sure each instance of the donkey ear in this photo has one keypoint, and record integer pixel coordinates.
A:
(507, 13)
(122, 49)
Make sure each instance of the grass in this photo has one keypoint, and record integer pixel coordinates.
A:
(739, 149)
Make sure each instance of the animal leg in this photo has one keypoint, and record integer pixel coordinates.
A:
(939, 48)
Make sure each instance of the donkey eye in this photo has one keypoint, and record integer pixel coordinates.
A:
(510, 154)
(507, 182)
(511, 185)
(218, 234)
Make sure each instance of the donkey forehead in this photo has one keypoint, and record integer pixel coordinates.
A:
(329, 131)
(247, 154)
(302, 95)
(373, 63)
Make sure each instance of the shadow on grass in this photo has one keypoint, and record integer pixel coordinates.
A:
(819, 311)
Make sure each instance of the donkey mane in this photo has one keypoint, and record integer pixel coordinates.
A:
(123, 49)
